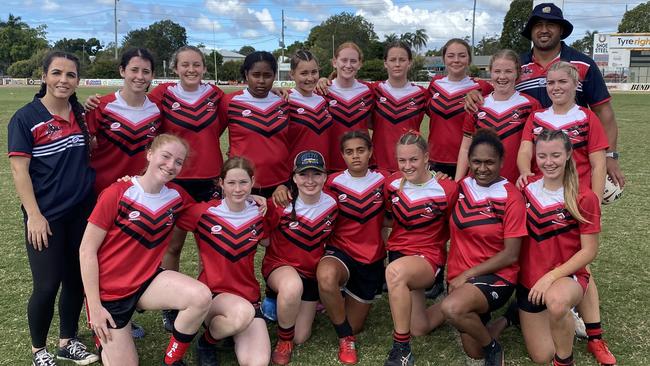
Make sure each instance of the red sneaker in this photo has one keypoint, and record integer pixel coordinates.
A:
(598, 347)
(282, 353)
(348, 350)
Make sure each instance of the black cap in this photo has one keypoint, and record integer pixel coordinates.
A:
(550, 12)
(309, 159)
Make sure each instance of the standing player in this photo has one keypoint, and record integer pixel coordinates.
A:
(421, 205)
(445, 105)
(505, 111)
(227, 232)
(354, 255)
(121, 252)
(297, 235)
(48, 144)
(400, 105)
(487, 226)
(125, 122)
(563, 226)
(258, 125)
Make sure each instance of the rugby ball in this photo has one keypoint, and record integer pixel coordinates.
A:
(612, 191)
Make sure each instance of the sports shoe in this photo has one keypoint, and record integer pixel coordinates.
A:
(598, 348)
(270, 309)
(495, 356)
(76, 352)
(43, 358)
(137, 332)
(348, 350)
(581, 330)
(206, 355)
(400, 356)
(168, 317)
(282, 353)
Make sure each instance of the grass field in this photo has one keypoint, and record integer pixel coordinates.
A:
(621, 270)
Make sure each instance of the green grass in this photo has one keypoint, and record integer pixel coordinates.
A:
(621, 270)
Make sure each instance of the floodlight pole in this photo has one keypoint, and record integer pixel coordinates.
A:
(473, 25)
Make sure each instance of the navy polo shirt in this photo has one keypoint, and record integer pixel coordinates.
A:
(591, 90)
(59, 167)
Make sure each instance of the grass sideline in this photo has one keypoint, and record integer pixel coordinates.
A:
(620, 270)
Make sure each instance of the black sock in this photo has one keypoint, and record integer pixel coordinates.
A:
(344, 329)
(564, 361)
(491, 347)
(594, 331)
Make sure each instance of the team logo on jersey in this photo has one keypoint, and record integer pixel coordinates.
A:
(343, 197)
(494, 295)
(176, 106)
(170, 217)
(75, 139)
(538, 130)
(216, 229)
(300, 110)
(435, 96)
(134, 215)
(526, 70)
(378, 196)
(481, 115)
(541, 82)
(52, 131)
(210, 106)
(328, 222)
(561, 217)
(246, 113)
(461, 196)
(515, 115)
(382, 99)
(253, 234)
(293, 224)
(333, 102)
(412, 104)
(115, 126)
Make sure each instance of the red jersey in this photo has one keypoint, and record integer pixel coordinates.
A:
(193, 116)
(309, 125)
(123, 134)
(258, 129)
(227, 242)
(554, 235)
(351, 109)
(585, 132)
(421, 217)
(298, 243)
(138, 227)
(446, 114)
(361, 215)
(507, 118)
(482, 219)
(397, 110)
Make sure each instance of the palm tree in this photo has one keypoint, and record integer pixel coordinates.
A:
(390, 38)
(419, 39)
(407, 38)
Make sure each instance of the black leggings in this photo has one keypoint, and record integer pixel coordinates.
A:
(57, 266)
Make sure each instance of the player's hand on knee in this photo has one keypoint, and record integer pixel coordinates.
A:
(101, 319)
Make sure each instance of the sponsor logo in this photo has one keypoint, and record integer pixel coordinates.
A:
(75, 139)
(481, 115)
(435, 96)
(300, 110)
(541, 82)
(134, 215)
(382, 99)
(294, 224)
(494, 295)
(395, 200)
(461, 196)
(528, 205)
(216, 229)
(115, 126)
(343, 197)
(332, 102)
(546, 9)
(246, 113)
(538, 130)
(176, 106)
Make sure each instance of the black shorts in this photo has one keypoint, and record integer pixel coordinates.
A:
(122, 310)
(256, 305)
(529, 307)
(364, 279)
(496, 290)
(447, 168)
(309, 290)
(201, 190)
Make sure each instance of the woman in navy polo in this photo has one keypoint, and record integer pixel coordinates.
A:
(49, 157)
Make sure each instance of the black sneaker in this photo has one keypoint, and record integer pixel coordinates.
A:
(76, 352)
(206, 355)
(494, 355)
(168, 318)
(400, 356)
(438, 286)
(43, 358)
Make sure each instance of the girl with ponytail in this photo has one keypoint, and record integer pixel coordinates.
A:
(563, 226)
(49, 156)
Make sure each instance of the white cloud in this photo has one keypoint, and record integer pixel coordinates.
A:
(250, 33)
(231, 7)
(265, 18)
(50, 5)
(301, 25)
(105, 2)
(205, 24)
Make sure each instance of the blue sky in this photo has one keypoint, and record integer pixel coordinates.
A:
(258, 23)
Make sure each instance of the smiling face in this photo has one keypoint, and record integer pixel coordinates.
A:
(356, 155)
(309, 182)
(413, 163)
(305, 75)
(397, 63)
(166, 161)
(347, 63)
(504, 76)
(61, 78)
(546, 35)
(260, 79)
(190, 69)
(551, 157)
(137, 75)
(456, 60)
(236, 185)
(485, 165)
(561, 87)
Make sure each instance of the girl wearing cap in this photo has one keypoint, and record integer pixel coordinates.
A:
(296, 242)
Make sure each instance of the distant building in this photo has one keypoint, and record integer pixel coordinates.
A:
(231, 56)
(435, 65)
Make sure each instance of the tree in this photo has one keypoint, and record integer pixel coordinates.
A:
(209, 63)
(390, 38)
(88, 46)
(373, 70)
(19, 41)
(30, 68)
(636, 20)
(433, 52)
(513, 23)
(586, 43)
(419, 39)
(161, 38)
(230, 70)
(488, 45)
(104, 68)
(246, 50)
